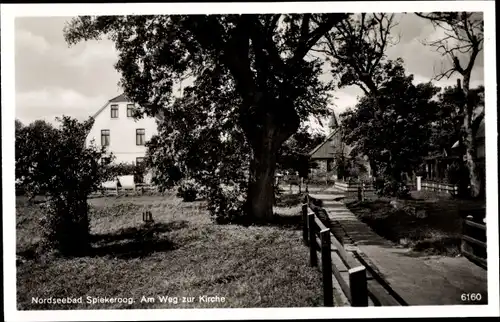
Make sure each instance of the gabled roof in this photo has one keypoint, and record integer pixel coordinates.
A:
(322, 145)
(119, 98)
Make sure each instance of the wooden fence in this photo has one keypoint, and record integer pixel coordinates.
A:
(318, 237)
(359, 285)
(439, 187)
(474, 237)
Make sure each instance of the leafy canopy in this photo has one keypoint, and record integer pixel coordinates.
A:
(243, 60)
(393, 130)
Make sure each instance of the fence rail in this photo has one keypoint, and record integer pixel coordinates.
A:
(474, 238)
(318, 237)
(358, 282)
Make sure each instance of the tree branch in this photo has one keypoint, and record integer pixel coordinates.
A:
(313, 37)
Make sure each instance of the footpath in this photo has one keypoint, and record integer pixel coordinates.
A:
(417, 279)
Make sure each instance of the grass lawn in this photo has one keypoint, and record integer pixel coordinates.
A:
(182, 255)
(426, 223)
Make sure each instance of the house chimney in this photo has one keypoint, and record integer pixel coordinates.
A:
(459, 83)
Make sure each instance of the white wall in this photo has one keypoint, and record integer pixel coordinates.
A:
(122, 132)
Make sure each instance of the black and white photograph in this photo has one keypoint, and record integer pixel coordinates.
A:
(201, 161)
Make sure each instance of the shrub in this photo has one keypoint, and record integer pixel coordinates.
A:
(66, 225)
(391, 188)
(188, 190)
(68, 172)
(225, 203)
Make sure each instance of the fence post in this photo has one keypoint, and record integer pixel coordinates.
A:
(313, 256)
(326, 262)
(358, 286)
(465, 247)
(305, 224)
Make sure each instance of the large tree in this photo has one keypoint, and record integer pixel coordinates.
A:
(356, 50)
(259, 60)
(461, 44)
(394, 128)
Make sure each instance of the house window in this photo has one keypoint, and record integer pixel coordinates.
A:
(130, 110)
(105, 137)
(114, 111)
(140, 136)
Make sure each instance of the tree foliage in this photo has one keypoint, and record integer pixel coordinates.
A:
(34, 145)
(249, 68)
(294, 154)
(447, 129)
(356, 50)
(57, 162)
(394, 129)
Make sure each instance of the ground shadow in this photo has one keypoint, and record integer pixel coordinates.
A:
(289, 200)
(293, 222)
(133, 232)
(136, 242)
(287, 221)
(29, 252)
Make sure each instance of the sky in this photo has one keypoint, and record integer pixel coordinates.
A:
(53, 79)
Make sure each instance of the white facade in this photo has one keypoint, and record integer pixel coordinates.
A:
(124, 135)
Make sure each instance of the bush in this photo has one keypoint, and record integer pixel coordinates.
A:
(188, 190)
(391, 188)
(67, 172)
(225, 204)
(66, 225)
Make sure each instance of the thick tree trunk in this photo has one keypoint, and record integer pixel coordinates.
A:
(260, 198)
(470, 145)
(266, 134)
(470, 161)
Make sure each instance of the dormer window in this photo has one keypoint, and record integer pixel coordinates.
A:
(114, 111)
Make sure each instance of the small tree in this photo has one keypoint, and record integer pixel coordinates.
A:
(68, 172)
(34, 144)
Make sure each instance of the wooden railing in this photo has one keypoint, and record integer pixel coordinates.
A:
(474, 237)
(318, 237)
(359, 283)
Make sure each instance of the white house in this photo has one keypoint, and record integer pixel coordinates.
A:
(123, 135)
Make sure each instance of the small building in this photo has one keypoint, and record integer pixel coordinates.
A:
(435, 166)
(332, 152)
